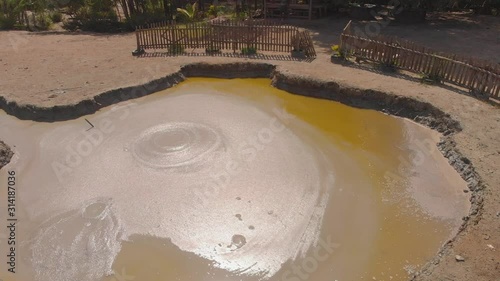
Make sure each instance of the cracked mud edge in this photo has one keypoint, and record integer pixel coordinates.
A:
(406, 107)
(5, 154)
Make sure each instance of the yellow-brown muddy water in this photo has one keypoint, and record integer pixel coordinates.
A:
(228, 180)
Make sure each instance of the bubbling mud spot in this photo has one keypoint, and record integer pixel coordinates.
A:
(96, 210)
(238, 241)
(175, 144)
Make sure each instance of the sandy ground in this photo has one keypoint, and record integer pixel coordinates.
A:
(456, 33)
(56, 69)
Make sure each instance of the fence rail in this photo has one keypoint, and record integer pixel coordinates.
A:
(226, 35)
(478, 76)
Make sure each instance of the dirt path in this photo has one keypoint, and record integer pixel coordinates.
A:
(62, 69)
(458, 33)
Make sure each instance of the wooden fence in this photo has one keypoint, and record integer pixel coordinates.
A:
(480, 77)
(225, 35)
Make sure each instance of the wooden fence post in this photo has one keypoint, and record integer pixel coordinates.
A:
(137, 37)
(345, 31)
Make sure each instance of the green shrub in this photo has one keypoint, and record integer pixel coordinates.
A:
(338, 52)
(212, 11)
(7, 22)
(176, 49)
(43, 21)
(388, 66)
(212, 50)
(240, 15)
(71, 25)
(431, 78)
(249, 50)
(219, 10)
(56, 16)
(144, 18)
(94, 15)
(98, 20)
(102, 25)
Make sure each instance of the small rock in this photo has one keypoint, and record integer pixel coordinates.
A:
(459, 258)
(490, 246)
(486, 237)
(466, 191)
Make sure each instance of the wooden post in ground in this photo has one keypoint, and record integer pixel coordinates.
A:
(137, 37)
(345, 31)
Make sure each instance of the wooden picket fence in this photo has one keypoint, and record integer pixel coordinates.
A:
(264, 35)
(480, 77)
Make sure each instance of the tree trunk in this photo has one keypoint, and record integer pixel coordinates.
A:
(166, 8)
(126, 13)
(26, 19)
(5, 11)
(131, 7)
(175, 5)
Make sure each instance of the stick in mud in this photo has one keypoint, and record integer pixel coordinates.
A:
(89, 124)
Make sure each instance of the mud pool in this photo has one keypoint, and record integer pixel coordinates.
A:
(228, 180)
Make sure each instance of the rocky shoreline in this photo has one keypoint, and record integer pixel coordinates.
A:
(5, 154)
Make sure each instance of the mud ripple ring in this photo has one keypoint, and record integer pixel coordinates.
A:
(175, 144)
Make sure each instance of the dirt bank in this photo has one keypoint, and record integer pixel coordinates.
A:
(420, 111)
